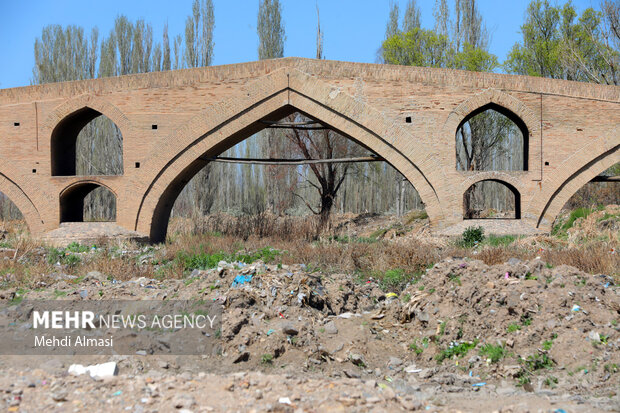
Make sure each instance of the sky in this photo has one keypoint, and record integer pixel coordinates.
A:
(353, 29)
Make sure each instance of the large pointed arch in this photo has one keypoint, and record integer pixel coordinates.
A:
(569, 180)
(212, 132)
(22, 201)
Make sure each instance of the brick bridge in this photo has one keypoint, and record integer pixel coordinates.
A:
(171, 121)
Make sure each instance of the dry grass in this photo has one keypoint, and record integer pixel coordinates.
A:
(32, 263)
(262, 225)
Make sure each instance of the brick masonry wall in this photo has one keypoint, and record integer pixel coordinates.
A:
(573, 127)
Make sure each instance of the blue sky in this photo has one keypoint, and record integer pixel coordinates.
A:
(353, 29)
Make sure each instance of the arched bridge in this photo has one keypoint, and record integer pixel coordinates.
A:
(172, 121)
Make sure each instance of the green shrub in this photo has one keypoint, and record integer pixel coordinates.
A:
(472, 236)
(267, 359)
(391, 279)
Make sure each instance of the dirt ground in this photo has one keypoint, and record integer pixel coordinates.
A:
(521, 336)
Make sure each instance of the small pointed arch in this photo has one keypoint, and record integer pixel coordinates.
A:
(79, 128)
(87, 201)
(495, 122)
(478, 204)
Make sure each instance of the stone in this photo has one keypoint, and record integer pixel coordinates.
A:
(330, 328)
(423, 316)
(289, 329)
(60, 395)
(357, 359)
(427, 373)
(183, 400)
(594, 336)
(95, 276)
(394, 362)
(352, 374)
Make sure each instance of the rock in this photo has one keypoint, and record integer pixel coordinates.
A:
(60, 395)
(95, 276)
(330, 328)
(101, 371)
(427, 373)
(357, 359)
(394, 362)
(423, 316)
(242, 357)
(289, 329)
(163, 364)
(183, 400)
(352, 374)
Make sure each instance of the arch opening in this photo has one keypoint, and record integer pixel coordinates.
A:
(492, 138)
(86, 143)
(491, 199)
(87, 201)
(598, 192)
(8, 210)
(290, 197)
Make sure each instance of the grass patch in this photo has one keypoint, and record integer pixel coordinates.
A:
(513, 327)
(561, 227)
(419, 349)
(499, 240)
(415, 215)
(493, 352)
(455, 350)
(379, 233)
(345, 239)
(532, 364)
(205, 261)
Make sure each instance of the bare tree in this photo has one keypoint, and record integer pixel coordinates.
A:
(411, 19)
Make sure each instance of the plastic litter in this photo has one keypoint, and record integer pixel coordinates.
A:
(242, 279)
(284, 400)
(117, 393)
(390, 295)
(479, 384)
(97, 370)
(576, 308)
(270, 332)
